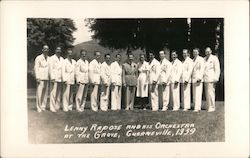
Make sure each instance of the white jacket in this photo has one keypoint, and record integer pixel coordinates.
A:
(165, 71)
(198, 70)
(82, 71)
(41, 67)
(55, 68)
(187, 69)
(68, 71)
(176, 71)
(94, 72)
(212, 69)
(105, 74)
(154, 71)
(116, 75)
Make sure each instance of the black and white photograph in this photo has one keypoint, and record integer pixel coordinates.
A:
(124, 78)
(133, 80)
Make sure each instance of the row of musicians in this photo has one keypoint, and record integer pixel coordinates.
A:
(145, 79)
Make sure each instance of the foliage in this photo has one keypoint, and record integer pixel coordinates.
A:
(52, 32)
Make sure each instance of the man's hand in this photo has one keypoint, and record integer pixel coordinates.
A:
(186, 82)
(176, 84)
(154, 82)
(164, 83)
(38, 80)
(124, 84)
(214, 85)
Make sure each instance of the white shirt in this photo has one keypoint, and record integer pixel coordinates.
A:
(176, 71)
(68, 71)
(55, 68)
(187, 69)
(105, 74)
(116, 75)
(154, 71)
(165, 71)
(198, 70)
(41, 67)
(212, 69)
(82, 71)
(94, 72)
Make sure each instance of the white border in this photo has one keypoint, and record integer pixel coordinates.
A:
(13, 76)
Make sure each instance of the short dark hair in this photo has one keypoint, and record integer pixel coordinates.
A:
(198, 49)
(130, 54)
(173, 51)
(69, 49)
(96, 52)
(150, 51)
(117, 55)
(186, 49)
(142, 55)
(107, 54)
(83, 50)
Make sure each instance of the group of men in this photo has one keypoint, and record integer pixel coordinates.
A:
(156, 81)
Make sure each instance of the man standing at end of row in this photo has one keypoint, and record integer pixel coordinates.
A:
(197, 79)
(175, 80)
(41, 69)
(186, 80)
(95, 80)
(211, 76)
(164, 80)
(55, 72)
(82, 79)
(154, 72)
(116, 81)
(105, 83)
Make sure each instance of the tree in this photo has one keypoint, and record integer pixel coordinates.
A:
(148, 34)
(52, 32)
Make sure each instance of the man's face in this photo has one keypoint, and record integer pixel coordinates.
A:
(174, 55)
(130, 58)
(185, 53)
(45, 49)
(162, 55)
(118, 58)
(195, 52)
(83, 55)
(98, 55)
(208, 51)
(142, 58)
(69, 53)
(58, 51)
(151, 56)
(107, 58)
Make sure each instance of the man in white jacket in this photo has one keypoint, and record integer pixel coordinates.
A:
(211, 76)
(105, 81)
(176, 72)
(187, 69)
(55, 71)
(68, 75)
(164, 80)
(41, 69)
(94, 80)
(197, 79)
(116, 81)
(154, 72)
(82, 79)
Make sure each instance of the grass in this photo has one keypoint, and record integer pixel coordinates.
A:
(48, 127)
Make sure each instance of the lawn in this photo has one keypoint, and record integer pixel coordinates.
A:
(48, 127)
